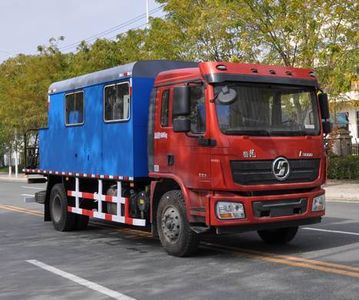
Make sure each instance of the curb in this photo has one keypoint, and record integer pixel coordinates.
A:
(4, 177)
(342, 200)
(21, 178)
(12, 179)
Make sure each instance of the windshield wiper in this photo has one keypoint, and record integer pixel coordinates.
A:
(291, 132)
(263, 132)
(266, 132)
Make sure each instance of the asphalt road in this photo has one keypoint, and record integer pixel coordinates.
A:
(110, 261)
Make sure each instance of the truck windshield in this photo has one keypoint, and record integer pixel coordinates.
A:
(268, 110)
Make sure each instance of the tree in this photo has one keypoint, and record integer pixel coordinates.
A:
(301, 33)
(24, 82)
(90, 58)
(310, 33)
(207, 30)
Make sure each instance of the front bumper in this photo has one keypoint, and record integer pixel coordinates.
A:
(288, 210)
(267, 226)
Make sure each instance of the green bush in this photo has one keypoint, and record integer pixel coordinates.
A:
(4, 169)
(343, 167)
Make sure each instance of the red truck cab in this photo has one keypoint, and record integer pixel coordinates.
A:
(244, 144)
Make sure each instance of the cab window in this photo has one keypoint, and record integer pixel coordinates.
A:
(198, 111)
(164, 108)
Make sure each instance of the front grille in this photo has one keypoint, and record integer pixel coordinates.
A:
(260, 171)
(279, 208)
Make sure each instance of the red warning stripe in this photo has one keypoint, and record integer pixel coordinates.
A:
(91, 196)
(87, 212)
(106, 216)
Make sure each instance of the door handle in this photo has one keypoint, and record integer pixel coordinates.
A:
(206, 142)
(170, 159)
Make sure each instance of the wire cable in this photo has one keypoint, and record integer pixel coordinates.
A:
(112, 29)
(134, 28)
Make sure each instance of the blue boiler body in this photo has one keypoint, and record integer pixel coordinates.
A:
(97, 147)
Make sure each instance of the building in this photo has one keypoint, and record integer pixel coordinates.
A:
(12, 161)
(347, 112)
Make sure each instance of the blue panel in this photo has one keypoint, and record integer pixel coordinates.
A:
(96, 147)
(117, 147)
(142, 88)
(73, 148)
(91, 144)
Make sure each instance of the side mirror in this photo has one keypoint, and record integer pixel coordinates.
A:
(181, 103)
(181, 125)
(324, 109)
(227, 95)
(324, 106)
(327, 127)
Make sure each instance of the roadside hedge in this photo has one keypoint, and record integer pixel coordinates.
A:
(343, 167)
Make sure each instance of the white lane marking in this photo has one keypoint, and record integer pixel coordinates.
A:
(343, 201)
(332, 231)
(29, 200)
(27, 195)
(89, 284)
(32, 188)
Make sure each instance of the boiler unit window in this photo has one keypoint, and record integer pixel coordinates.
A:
(117, 102)
(74, 108)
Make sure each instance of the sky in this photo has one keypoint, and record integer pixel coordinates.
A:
(26, 24)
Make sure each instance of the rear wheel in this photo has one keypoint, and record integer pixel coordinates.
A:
(174, 231)
(278, 236)
(61, 218)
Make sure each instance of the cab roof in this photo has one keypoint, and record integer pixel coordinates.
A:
(144, 69)
(215, 72)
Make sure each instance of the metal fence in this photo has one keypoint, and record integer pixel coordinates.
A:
(355, 149)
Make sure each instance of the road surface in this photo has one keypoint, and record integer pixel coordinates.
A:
(108, 261)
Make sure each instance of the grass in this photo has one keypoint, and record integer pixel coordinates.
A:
(343, 167)
(4, 169)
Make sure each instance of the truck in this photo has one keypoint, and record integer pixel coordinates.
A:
(186, 148)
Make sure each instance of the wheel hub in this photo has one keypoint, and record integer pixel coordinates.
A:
(56, 209)
(171, 224)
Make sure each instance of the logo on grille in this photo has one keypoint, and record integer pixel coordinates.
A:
(281, 168)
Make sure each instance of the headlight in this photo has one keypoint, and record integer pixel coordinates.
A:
(230, 210)
(318, 203)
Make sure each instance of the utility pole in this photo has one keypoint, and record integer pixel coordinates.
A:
(16, 162)
(16, 156)
(147, 14)
(9, 162)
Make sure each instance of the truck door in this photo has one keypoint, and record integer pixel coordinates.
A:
(192, 156)
(182, 153)
(162, 135)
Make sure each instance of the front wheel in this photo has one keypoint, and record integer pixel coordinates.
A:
(174, 231)
(278, 236)
(61, 218)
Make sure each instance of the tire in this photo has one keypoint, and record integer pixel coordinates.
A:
(174, 231)
(81, 222)
(61, 218)
(278, 236)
